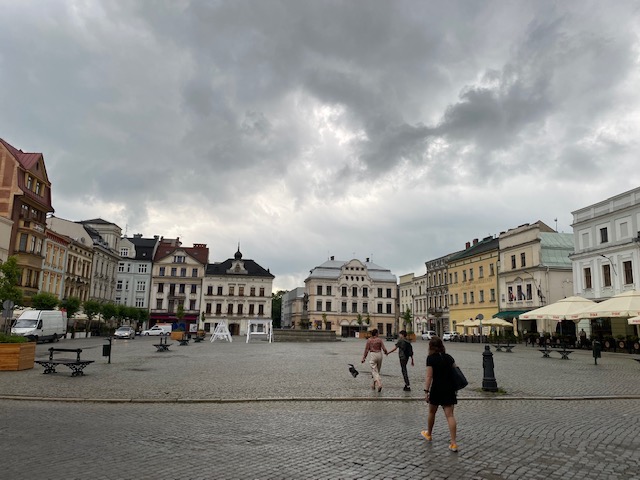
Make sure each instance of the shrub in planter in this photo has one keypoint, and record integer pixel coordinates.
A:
(16, 353)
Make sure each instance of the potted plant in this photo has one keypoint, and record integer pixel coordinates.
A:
(16, 352)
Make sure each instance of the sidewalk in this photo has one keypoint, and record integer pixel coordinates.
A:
(223, 372)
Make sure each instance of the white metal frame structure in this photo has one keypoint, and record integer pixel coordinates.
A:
(267, 329)
(221, 332)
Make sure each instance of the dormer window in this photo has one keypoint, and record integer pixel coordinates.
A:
(29, 182)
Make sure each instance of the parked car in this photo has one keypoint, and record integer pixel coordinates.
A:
(157, 330)
(428, 334)
(125, 332)
(449, 336)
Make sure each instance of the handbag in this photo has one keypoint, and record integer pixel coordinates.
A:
(459, 380)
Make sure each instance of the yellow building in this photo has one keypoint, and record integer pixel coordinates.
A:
(473, 283)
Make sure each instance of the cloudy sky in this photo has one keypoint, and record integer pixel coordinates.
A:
(396, 130)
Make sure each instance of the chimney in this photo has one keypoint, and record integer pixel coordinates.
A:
(467, 245)
(332, 257)
(475, 241)
(367, 259)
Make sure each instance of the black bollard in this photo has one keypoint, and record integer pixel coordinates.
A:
(489, 383)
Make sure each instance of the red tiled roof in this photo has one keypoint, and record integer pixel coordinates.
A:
(27, 160)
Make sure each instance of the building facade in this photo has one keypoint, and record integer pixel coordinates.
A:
(54, 265)
(25, 199)
(352, 296)
(292, 306)
(535, 270)
(606, 260)
(438, 294)
(236, 290)
(473, 282)
(133, 280)
(177, 276)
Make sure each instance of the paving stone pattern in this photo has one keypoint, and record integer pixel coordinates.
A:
(564, 419)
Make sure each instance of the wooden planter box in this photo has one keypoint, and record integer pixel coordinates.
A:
(177, 335)
(17, 356)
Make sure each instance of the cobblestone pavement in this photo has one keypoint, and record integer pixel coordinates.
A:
(519, 439)
(220, 370)
(292, 411)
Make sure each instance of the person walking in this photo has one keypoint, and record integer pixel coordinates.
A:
(405, 352)
(439, 389)
(375, 347)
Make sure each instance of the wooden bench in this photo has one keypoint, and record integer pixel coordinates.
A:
(564, 353)
(76, 365)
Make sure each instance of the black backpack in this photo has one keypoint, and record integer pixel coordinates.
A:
(408, 349)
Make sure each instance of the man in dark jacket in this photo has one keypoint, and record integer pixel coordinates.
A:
(405, 352)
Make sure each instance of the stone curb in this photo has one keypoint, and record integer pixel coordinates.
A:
(308, 399)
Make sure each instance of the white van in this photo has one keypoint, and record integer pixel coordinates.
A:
(41, 325)
(158, 329)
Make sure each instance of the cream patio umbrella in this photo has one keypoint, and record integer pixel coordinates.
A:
(634, 320)
(561, 310)
(625, 304)
(496, 322)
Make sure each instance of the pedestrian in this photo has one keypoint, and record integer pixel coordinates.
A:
(583, 338)
(439, 389)
(405, 352)
(375, 347)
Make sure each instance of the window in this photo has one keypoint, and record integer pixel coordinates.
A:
(119, 285)
(319, 289)
(354, 307)
(121, 267)
(520, 293)
(159, 304)
(481, 296)
(606, 275)
(183, 272)
(523, 261)
(194, 288)
(513, 262)
(319, 305)
(455, 277)
(491, 270)
(262, 291)
(172, 289)
(365, 307)
(457, 299)
(181, 288)
(139, 302)
(218, 309)
(207, 308)
(389, 308)
(240, 308)
(388, 293)
(38, 188)
(142, 268)
(450, 299)
(252, 291)
(162, 271)
(219, 290)
(380, 294)
(178, 259)
(464, 297)
(328, 289)
(365, 292)
(471, 297)
(194, 272)
(174, 271)
(210, 290)
(251, 309)
(230, 309)
(232, 290)
(354, 291)
(604, 235)
(380, 307)
(344, 291)
(161, 288)
(470, 274)
(241, 290)
(192, 304)
(141, 286)
(260, 309)
(29, 181)
(587, 277)
(628, 272)
(481, 272)
(464, 275)
(529, 292)
(493, 294)
(510, 294)
(343, 307)
(124, 252)
(328, 306)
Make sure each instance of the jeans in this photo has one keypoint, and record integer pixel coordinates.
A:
(403, 367)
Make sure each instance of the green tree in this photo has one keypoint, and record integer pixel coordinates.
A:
(44, 301)
(72, 306)
(143, 316)
(10, 275)
(109, 311)
(276, 307)
(92, 309)
(407, 320)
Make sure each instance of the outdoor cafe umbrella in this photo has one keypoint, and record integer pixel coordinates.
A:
(634, 320)
(625, 304)
(560, 310)
(496, 322)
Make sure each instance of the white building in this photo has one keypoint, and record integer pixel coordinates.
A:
(236, 290)
(607, 253)
(133, 284)
(342, 293)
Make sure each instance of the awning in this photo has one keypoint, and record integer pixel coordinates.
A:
(509, 313)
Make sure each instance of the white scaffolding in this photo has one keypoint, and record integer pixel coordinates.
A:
(221, 332)
(260, 327)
